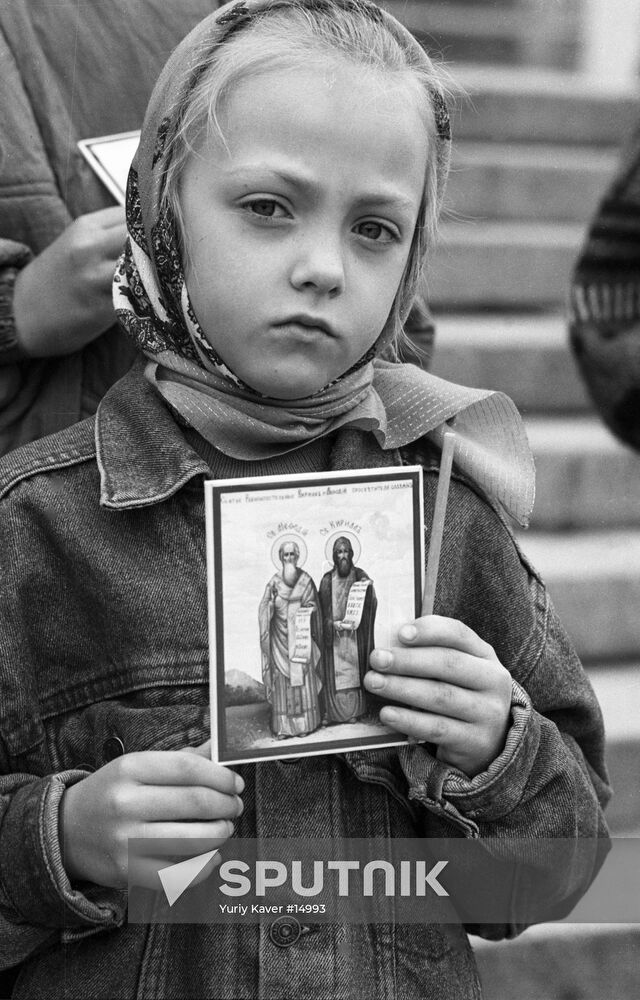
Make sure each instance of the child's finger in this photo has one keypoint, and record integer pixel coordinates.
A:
(181, 835)
(425, 727)
(427, 695)
(436, 630)
(170, 802)
(174, 767)
(434, 662)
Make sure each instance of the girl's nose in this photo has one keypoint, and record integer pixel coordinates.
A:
(319, 267)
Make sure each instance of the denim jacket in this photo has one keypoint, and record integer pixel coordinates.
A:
(103, 639)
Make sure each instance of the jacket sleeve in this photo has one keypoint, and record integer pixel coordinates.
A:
(550, 783)
(38, 904)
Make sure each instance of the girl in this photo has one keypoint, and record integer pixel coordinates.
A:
(280, 210)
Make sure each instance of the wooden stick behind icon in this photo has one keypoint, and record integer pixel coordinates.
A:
(437, 528)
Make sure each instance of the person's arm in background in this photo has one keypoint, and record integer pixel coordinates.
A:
(62, 298)
(55, 273)
(605, 302)
(59, 348)
(53, 308)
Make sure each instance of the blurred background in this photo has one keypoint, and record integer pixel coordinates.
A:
(549, 92)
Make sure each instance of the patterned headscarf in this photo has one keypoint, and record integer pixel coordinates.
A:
(398, 403)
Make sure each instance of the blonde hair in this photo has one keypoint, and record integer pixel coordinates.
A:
(291, 36)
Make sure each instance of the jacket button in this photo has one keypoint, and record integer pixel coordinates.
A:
(285, 931)
(111, 748)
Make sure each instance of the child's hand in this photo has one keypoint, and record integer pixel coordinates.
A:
(458, 692)
(150, 794)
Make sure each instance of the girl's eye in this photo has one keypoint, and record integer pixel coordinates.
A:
(267, 208)
(375, 231)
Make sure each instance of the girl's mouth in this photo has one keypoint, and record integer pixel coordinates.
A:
(302, 323)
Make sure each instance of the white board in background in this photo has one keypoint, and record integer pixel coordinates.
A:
(110, 157)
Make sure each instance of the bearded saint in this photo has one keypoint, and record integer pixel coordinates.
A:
(347, 627)
(289, 617)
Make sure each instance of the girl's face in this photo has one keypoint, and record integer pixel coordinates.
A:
(297, 233)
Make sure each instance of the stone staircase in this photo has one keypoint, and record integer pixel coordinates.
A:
(534, 149)
(521, 32)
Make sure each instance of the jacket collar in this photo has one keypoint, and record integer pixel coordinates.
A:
(142, 455)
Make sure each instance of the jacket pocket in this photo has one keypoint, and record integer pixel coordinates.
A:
(164, 718)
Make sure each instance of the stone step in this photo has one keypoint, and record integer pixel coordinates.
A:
(617, 687)
(530, 181)
(562, 961)
(528, 105)
(504, 264)
(584, 477)
(523, 354)
(593, 578)
(545, 34)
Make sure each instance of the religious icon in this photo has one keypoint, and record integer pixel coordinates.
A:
(306, 575)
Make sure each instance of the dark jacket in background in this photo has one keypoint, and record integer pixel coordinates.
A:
(605, 302)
